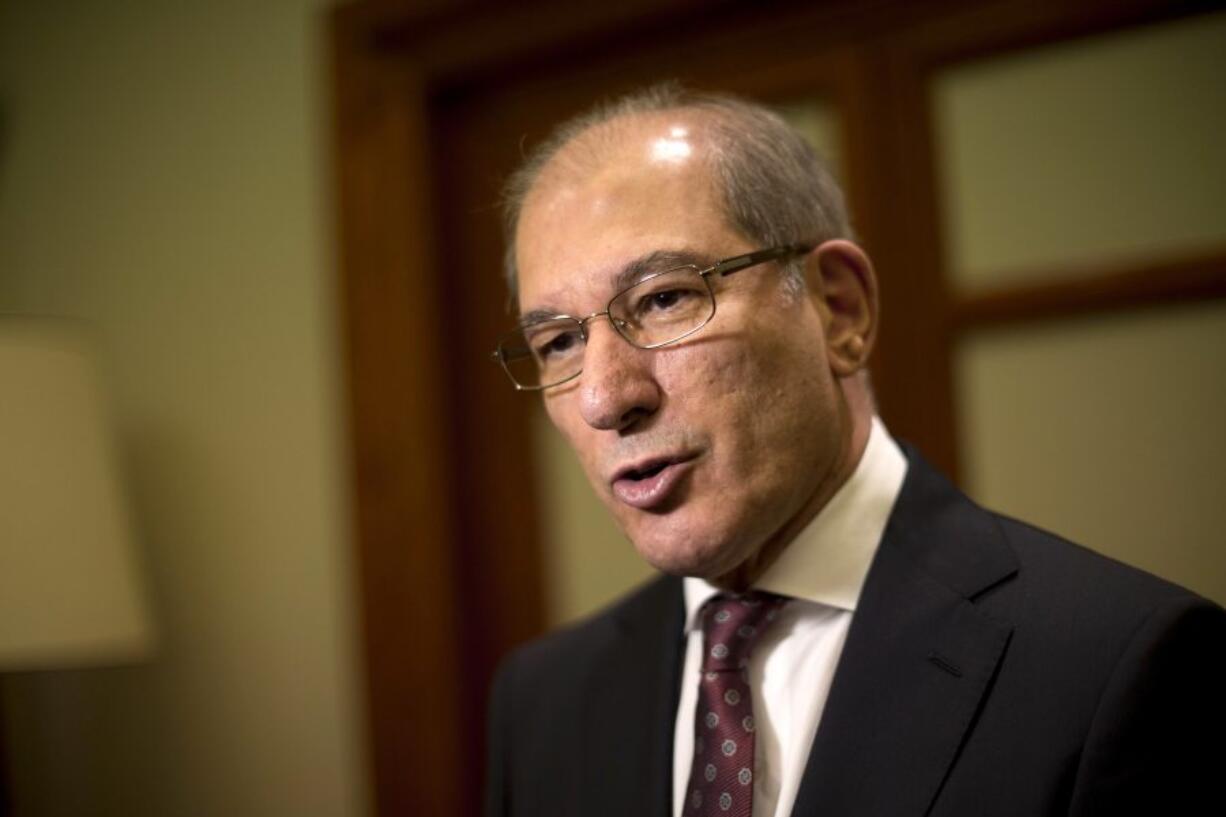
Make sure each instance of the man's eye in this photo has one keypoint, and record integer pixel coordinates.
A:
(557, 345)
(665, 300)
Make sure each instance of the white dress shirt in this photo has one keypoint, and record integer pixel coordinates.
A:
(791, 668)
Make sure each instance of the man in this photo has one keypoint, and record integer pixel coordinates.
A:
(838, 631)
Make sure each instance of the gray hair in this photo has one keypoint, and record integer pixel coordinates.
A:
(775, 188)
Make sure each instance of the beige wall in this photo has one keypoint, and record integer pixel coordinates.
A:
(587, 560)
(1107, 430)
(1081, 154)
(162, 174)
(1070, 158)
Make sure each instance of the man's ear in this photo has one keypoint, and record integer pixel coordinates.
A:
(844, 288)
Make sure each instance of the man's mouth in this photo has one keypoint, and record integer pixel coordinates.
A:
(649, 484)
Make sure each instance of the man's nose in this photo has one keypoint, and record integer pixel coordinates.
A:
(617, 387)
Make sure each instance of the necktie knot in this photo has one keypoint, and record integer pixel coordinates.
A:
(731, 625)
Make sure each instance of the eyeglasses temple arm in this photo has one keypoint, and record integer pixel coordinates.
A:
(725, 268)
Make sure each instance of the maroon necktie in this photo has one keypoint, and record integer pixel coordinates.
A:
(721, 779)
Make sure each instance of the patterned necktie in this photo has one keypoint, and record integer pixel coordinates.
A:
(721, 779)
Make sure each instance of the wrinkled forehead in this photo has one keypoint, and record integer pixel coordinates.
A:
(621, 191)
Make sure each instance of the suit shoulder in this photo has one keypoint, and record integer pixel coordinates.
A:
(1061, 594)
(1074, 570)
(1076, 607)
(1009, 565)
(573, 649)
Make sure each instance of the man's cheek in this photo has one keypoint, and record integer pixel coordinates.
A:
(699, 371)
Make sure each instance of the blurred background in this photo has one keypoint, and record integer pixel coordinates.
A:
(270, 232)
(163, 178)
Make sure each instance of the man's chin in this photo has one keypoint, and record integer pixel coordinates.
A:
(709, 563)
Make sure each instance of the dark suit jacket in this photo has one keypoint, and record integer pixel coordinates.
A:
(990, 669)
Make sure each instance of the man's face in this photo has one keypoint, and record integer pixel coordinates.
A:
(707, 450)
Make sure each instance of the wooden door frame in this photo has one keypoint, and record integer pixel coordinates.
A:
(447, 549)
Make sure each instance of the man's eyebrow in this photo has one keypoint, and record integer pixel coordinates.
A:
(633, 272)
(537, 315)
(657, 261)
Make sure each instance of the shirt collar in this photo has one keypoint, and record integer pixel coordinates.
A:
(828, 560)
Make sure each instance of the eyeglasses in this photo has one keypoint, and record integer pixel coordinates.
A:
(660, 309)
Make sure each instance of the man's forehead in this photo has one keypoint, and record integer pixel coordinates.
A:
(625, 196)
(666, 136)
(622, 155)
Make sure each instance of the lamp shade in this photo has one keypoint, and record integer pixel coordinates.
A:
(70, 590)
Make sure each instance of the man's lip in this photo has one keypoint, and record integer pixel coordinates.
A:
(651, 492)
(647, 464)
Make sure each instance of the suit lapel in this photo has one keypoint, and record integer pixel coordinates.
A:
(918, 660)
(630, 722)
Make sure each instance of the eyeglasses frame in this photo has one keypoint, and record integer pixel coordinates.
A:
(724, 268)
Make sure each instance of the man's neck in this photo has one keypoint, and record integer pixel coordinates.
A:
(856, 423)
